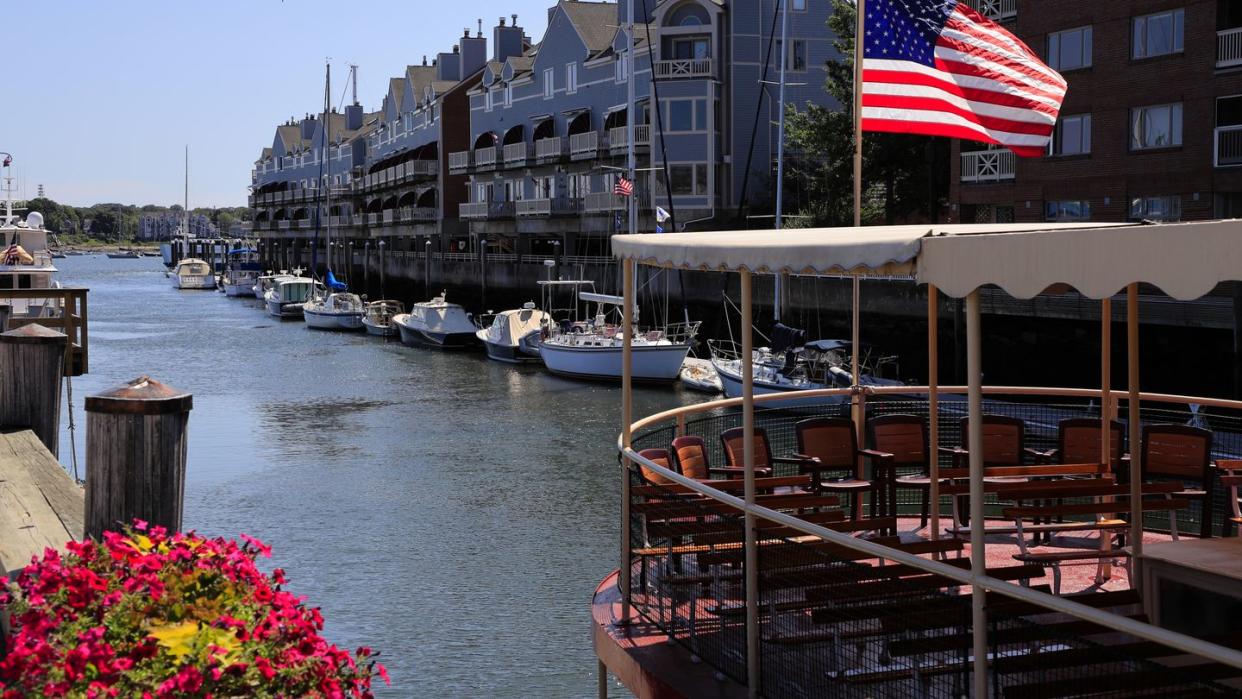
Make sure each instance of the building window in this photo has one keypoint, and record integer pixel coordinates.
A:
(686, 115)
(1156, 208)
(1068, 210)
(623, 68)
(571, 78)
(1070, 49)
(1158, 34)
(549, 83)
(1159, 126)
(797, 54)
(687, 180)
(508, 95)
(692, 48)
(797, 5)
(1072, 136)
(490, 97)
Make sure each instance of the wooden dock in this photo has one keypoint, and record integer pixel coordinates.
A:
(40, 505)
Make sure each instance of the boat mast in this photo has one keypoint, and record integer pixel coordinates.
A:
(185, 205)
(781, 279)
(327, 184)
(631, 115)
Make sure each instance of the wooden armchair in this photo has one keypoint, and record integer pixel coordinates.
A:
(690, 456)
(831, 445)
(1004, 444)
(660, 457)
(1078, 442)
(735, 453)
(902, 439)
(1231, 478)
(1182, 453)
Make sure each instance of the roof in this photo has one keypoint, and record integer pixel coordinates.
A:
(420, 77)
(521, 64)
(290, 135)
(595, 22)
(396, 90)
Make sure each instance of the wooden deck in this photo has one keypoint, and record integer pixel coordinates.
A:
(40, 505)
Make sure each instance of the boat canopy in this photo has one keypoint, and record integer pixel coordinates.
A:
(242, 251)
(1185, 260)
(334, 283)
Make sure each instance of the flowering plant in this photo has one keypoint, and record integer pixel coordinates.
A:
(149, 614)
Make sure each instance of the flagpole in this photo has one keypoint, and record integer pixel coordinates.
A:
(859, 24)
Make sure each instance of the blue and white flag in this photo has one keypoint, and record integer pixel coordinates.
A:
(661, 215)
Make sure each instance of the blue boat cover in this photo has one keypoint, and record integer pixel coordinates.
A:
(242, 251)
(335, 284)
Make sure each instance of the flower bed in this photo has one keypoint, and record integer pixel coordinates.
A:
(152, 614)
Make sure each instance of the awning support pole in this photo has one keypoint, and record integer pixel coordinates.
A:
(748, 461)
(855, 371)
(627, 419)
(978, 558)
(1106, 401)
(1135, 426)
(933, 408)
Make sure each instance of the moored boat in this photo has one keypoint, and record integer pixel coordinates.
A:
(338, 310)
(193, 273)
(514, 336)
(285, 298)
(699, 375)
(26, 263)
(377, 317)
(803, 366)
(436, 323)
(240, 274)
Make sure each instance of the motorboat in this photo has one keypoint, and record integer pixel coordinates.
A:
(592, 348)
(193, 273)
(436, 323)
(285, 298)
(338, 310)
(124, 255)
(264, 282)
(513, 336)
(699, 375)
(377, 317)
(240, 273)
(26, 263)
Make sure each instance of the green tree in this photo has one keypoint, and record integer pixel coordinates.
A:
(904, 175)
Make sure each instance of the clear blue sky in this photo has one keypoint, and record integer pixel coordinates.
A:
(103, 96)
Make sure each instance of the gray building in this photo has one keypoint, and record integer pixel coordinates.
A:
(517, 150)
(167, 224)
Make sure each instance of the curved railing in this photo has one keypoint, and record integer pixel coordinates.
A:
(1051, 403)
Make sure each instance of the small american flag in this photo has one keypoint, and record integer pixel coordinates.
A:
(11, 255)
(623, 188)
(937, 67)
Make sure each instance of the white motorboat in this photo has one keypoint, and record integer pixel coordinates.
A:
(806, 366)
(339, 310)
(285, 298)
(436, 323)
(592, 349)
(193, 273)
(264, 282)
(699, 375)
(25, 262)
(514, 336)
(240, 274)
(377, 317)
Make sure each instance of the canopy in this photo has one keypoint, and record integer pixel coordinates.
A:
(242, 251)
(333, 283)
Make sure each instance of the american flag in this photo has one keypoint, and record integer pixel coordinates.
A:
(937, 67)
(11, 256)
(623, 187)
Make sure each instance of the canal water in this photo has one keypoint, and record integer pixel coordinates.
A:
(454, 513)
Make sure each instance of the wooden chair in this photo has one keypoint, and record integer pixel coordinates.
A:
(903, 438)
(829, 444)
(1004, 443)
(1183, 453)
(690, 458)
(1078, 442)
(1231, 478)
(735, 454)
(661, 457)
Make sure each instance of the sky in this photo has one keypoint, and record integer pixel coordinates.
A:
(103, 97)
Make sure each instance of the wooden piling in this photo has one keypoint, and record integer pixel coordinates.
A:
(6, 310)
(135, 455)
(32, 362)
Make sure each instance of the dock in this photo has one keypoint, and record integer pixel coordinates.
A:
(40, 505)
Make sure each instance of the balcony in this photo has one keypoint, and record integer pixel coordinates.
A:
(482, 210)
(1227, 146)
(1229, 47)
(549, 150)
(999, 10)
(584, 146)
(987, 166)
(603, 202)
(411, 214)
(518, 154)
(684, 69)
(618, 138)
(459, 162)
(556, 206)
(399, 174)
(485, 158)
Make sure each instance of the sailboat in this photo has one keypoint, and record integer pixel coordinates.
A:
(335, 308)
(190, 272)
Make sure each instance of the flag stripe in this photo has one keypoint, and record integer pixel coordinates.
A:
(967, 45)
(963, 86)
(964, 60)
(922, 115)
(938, 128)
(1005, 44)
(933, 104)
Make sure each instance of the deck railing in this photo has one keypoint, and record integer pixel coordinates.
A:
(584, 146)
(550, 149)
(459, 162)
(1000, 10)
(1229, 47)
(1227, 146)
(987, 166)
(68, 315)
(800, 652)
(684, 68)
(601, 202)
(517, 154)
(618, 137)
(485, 158)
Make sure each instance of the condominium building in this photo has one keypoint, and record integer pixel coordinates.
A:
(1151, 128)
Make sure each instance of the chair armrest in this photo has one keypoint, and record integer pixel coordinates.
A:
(952, 450)
(1038, 455)
(876, 454)
(797, 459)
(738, 471)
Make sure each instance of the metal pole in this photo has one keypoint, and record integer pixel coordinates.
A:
(1136, 425)
(779, 299)
(1106, 382)
(601, 687)
(933, 408)
(978, 559)
(748, 450)
(859, 32)
(627, 410)
(631, 160)
(856, 348)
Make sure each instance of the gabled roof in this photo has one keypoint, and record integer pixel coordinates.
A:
(595, 22)
(420, 77)
(521, 64)
(291, 136)
(396, 88)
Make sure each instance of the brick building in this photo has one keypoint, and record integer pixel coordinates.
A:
(1151, 127)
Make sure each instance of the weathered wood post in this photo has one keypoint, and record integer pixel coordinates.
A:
(32, 362)
(5, 311)
(135, 455)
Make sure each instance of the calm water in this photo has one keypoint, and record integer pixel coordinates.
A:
(452, 512)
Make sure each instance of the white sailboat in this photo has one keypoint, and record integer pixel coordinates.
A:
(334, 308)
(378, 315)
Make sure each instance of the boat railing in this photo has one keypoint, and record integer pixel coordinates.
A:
(681, 333)
(65, 312)
(804, 602)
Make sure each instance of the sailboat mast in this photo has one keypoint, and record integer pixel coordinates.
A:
(327, 184)
(778, 300)
(185, 204)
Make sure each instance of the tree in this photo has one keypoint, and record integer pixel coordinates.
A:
(903, 175)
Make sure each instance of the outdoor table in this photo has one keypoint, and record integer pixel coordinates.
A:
(1193, 586)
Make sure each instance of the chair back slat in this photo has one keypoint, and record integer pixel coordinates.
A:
(831, 440)
(903, 436)
(1079, 441)
(735, 453)
(1176, 451)
(690, 453)
(660, 457)
(1003, 439)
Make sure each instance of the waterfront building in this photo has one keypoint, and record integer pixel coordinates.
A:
(167, 224)
(1151, 127)
(516, 152)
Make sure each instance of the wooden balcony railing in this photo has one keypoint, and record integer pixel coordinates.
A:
(459, 162)
(517, 154)
(1229, 47)
(550, 149)
(1227, 146)
(618, 137)
(1000, 10)
(485, 158)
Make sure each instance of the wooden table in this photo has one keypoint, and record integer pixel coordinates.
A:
(1193, 586)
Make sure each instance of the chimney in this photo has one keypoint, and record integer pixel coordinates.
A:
(424, 59)
(473, 55)
(507, 41)
(480, 35)
(502, 21)
(448, 64)
(353, 116)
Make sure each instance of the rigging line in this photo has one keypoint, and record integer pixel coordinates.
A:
(73, 439)
(754, 129)
(739, 312)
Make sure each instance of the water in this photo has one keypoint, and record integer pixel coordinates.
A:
(454, 513)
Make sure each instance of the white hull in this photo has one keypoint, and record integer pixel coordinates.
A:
(653, 363)
(284, 310)
(236, 290)
(193, 281)
(332, 320)
(378, 330)
(731, 381)
(700, 375)
(415, 336)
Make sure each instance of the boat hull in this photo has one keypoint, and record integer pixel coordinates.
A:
(731, 382)
(193, 282)
(378, 330)
(332, 321)
(414, 336)
(239, 290)
(284, 310)
(660, 363)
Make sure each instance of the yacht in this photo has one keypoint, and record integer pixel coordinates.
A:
(592, 349)
(193, 273)
(285, 298)
(436, 323)
(26, 264)
(514, 336)
(338, 310)
(264, 282)
(377, 317)
(240, 274)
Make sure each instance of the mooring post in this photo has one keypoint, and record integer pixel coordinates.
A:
(5, 311)
(32, 362)
(135, 455)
